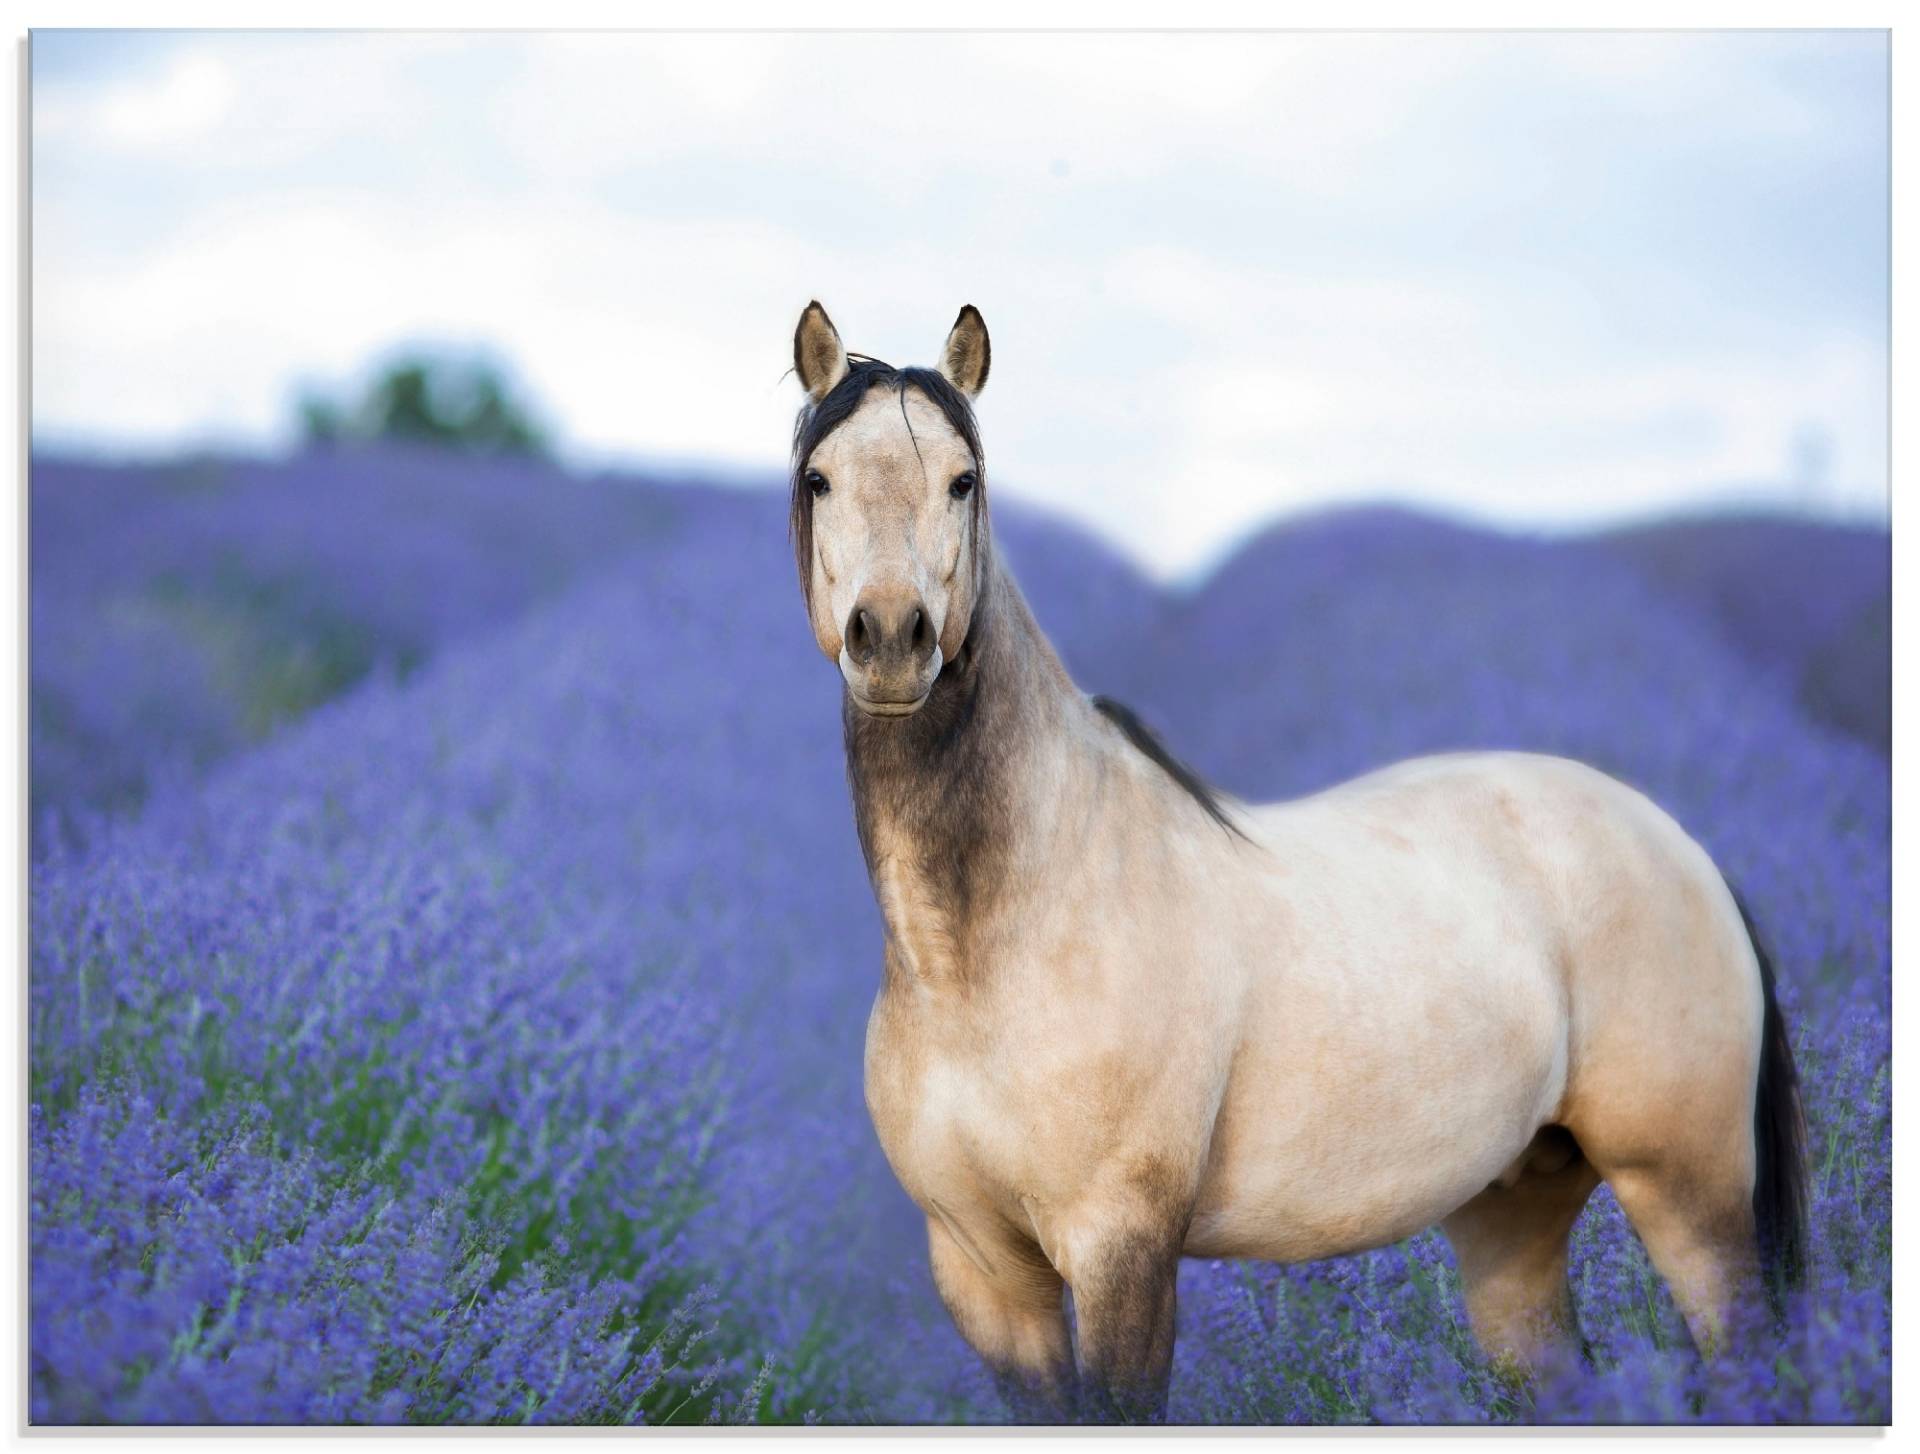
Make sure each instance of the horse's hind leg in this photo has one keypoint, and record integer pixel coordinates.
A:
(1679, 1155)
(1696, 1222)
(1510, 1243)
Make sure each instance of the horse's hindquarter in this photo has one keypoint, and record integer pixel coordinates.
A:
(1448, 952)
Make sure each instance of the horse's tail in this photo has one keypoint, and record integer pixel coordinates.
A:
(1779, 1142)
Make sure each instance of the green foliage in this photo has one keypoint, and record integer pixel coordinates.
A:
(447, 401)
(274, 650)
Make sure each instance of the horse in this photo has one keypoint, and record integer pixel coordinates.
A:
(1125, 1018)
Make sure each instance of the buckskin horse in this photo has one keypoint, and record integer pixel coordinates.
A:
(1125, 1018)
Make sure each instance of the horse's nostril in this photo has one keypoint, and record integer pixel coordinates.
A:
(881, 638)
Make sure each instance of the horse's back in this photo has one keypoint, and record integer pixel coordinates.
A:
(1577, 868)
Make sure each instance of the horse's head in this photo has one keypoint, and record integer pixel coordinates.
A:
(888, 508)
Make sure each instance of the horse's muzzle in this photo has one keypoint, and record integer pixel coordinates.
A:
(891, 653)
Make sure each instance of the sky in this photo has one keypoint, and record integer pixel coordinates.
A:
(1544, 279)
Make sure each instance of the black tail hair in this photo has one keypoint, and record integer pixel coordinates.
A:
(1779, 1142)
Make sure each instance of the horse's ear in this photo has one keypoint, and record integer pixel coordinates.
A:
(968, 355)
(819, 358)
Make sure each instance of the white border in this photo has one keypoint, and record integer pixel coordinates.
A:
(980, 15)
(983, 14)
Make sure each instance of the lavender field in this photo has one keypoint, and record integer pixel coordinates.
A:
(451, 954)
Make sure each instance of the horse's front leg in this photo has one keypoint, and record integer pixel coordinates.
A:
(1123, 1282)
(1006, 1302)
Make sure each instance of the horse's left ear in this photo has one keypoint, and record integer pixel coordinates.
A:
(968, 354)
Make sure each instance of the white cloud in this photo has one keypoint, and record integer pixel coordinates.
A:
(186, 97)
(636, 220)
(192, 97)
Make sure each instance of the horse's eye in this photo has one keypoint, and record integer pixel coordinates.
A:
(963, 484)
(817, 482)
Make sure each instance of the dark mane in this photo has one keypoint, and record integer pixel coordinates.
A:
(1142, 737)
(817, 421)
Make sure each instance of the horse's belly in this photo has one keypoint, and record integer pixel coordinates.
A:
(1346, 1126)
(1340, 1205)
(1405, 1033)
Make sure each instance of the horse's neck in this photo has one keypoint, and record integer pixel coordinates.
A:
(946, 800)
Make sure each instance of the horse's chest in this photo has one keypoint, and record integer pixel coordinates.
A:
(956, 1129)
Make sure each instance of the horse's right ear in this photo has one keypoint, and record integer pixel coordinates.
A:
(967, 355)
(819, 358)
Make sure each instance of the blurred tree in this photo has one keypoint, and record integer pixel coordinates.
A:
(447, 401)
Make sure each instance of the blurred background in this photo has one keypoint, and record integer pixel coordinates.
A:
(1546, 278)
(402, 403)
(1548, 281)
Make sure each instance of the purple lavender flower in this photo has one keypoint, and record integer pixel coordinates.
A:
(448, 989)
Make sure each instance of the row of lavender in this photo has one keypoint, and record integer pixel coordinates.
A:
(183, 610)
(486, 1046)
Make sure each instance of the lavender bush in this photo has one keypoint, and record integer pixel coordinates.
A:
(1810, 604)
(183, 610)
(483, 1044)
